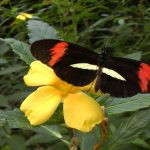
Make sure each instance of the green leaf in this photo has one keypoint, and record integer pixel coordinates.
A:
(58, 146)
(135, 56)
(120, 105)
(3, 101)
(88, 140)
(16, 142)
(11, 69)
(20, 48)
(128, 130)
(40, 30)
(40, 138)
(17, 96)
(141, 142)
(5, 147)
(53, 131)
(3, 61)
(15, 119)
(3, 48)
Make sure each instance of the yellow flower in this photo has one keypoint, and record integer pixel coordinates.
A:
(80, 110)
(24, 16)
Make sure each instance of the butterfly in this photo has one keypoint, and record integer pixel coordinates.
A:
(79, 66)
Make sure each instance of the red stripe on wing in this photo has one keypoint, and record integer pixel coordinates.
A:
(57, 52)
(144, 76)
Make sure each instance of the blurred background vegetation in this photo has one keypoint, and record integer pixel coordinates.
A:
(123, 25)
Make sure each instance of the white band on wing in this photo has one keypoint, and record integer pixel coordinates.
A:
(107, 71)
(113, 74)
(85, 66)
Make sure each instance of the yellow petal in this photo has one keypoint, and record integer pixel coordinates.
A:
(27, 15)
(40, 74)
(91, 88)
(24, 16)
(20, 17)
(40, 105)
(82, 112)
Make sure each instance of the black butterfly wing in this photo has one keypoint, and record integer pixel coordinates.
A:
(61, 55)
(119, 77)
(132, 71)
(73, 75)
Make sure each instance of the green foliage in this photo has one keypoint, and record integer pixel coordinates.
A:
(20, 48)
(39, 30)
(120, 105)
(135, 56)
(128, 130)
(87, 140)
(123, 25)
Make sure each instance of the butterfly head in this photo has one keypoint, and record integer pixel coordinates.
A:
(104, 55)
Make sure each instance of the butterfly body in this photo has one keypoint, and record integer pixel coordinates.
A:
(120, 77)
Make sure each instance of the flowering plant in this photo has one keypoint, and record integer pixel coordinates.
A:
(80, 111)
(41, 105)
